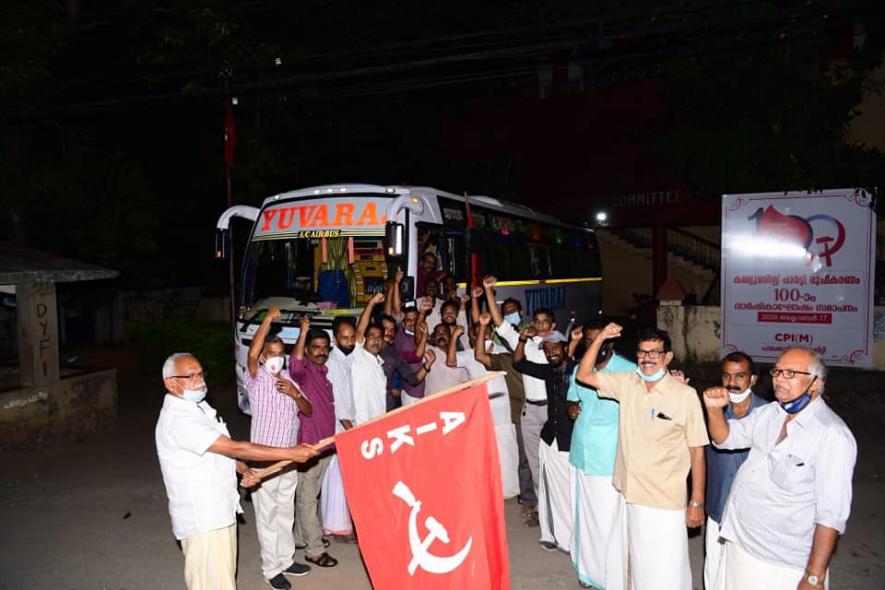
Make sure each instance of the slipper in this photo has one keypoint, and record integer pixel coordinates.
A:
(324, 560)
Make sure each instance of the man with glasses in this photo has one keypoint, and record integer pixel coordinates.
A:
(276, 404)
(791, 499)
(739, 375)
(661, 438)
(199, 463)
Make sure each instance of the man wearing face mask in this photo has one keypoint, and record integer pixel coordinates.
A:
(661, 435)
(739, 374)
(276, 403)
(199, 463)
(791, 498)
(597, 539)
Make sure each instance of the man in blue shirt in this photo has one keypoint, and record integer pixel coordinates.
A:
(597, 538)
(739, 374)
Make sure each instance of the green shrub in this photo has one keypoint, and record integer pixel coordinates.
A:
(211, 342)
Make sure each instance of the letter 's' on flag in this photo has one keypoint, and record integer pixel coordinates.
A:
(424, 488)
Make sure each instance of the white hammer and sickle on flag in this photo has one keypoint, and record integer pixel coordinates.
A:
(421, 555)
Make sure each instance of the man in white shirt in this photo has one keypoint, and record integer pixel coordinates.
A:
(791, 498)
(370, 399)
(199, 463)
(534, 412)
(333, 504)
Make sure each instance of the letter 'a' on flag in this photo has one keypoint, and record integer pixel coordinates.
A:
(424, 488)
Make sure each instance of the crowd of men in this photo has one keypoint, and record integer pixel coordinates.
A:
(611, 458)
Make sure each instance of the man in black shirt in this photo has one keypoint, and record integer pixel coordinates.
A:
(554, 492)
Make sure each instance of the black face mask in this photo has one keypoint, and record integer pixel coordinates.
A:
(346, 349)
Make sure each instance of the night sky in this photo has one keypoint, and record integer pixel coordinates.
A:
(113, 111)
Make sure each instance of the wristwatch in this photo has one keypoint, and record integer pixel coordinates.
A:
(814, 580)
(694, 504)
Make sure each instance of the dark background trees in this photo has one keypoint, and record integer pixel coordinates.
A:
(111, 138)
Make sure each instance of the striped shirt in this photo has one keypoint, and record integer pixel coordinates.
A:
(274, 414)
(784, 490)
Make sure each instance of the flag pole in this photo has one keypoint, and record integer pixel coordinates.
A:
(229, 143)
(330, 440)
(471, 258)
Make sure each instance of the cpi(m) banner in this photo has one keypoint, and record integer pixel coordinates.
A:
(797, 270)
(424, 489)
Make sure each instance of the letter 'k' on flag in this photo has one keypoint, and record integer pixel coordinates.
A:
(424, 488)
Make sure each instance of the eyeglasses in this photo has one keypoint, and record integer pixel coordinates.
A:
(202, 375)
(787, 373)
(651, 354)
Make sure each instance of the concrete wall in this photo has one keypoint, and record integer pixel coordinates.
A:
(71, 408)
(695, 333)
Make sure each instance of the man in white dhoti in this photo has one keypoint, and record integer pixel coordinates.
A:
(739, 374)
(555, 484)
(597, 546)
(661, 438)
(791, 499)
(333, 504)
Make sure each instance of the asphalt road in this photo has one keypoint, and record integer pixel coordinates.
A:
(92, 514)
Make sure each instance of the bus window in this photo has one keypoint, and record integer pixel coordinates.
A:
(342, 271)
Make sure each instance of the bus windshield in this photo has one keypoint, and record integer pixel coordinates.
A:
(323, 273)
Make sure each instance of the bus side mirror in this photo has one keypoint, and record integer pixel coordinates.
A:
(394, 234)
(222, 242)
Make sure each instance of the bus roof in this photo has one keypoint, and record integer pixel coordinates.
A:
(331, 190)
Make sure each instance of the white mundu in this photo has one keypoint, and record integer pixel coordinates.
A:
(657, 562)
(739, 570)
(555, 514)
(505, 431)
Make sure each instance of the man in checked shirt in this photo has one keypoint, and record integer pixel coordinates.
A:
(276, 403)
(791, 498)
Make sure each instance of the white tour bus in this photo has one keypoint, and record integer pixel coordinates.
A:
(325, 250)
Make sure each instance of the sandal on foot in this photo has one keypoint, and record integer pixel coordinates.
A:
(323, 560)
(301, 546)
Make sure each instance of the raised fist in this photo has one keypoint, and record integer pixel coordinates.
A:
(611, 330)
(715, 397)
(489, 281)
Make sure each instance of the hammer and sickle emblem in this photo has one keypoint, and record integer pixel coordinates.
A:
(421, 555)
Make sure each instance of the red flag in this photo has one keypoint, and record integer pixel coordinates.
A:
(230, 133)
(424, 489)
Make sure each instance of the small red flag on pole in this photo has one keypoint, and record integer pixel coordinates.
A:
(230, 133)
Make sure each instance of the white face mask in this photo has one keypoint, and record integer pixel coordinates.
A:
(194, 395)
(275, 364)
(737, 398)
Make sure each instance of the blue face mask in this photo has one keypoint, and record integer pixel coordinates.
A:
(657, 375)
(795, 406)
(512, 318)
(194, 395)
